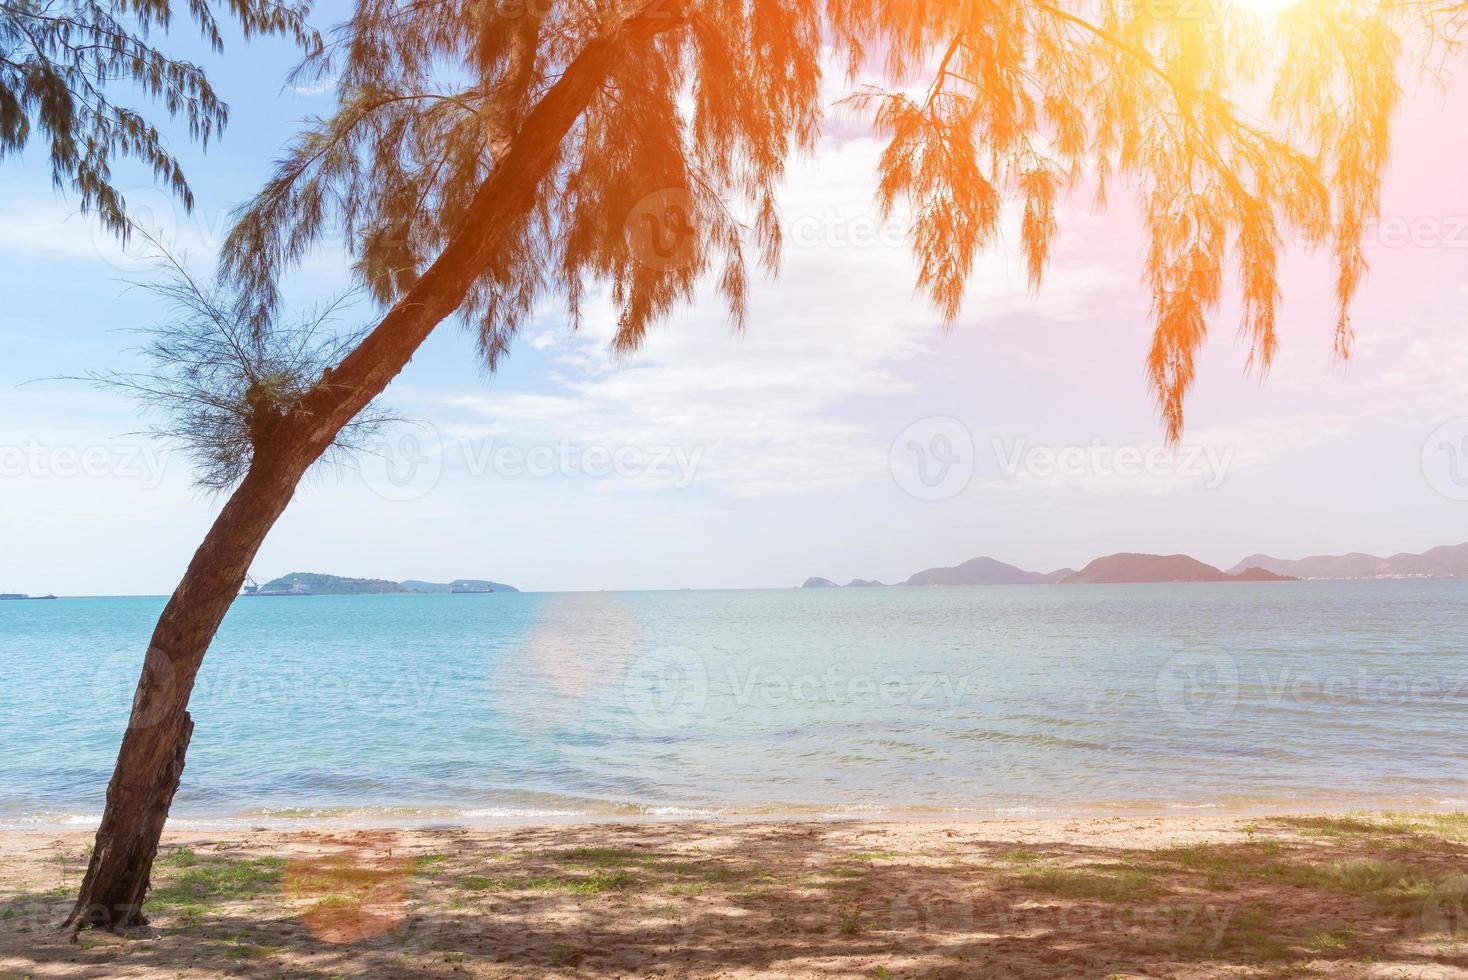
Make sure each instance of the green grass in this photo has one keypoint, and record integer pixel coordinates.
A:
(210, 882)
(1250, 933)
(598, 857)
(484, 883)
(1106, 886)
(596, 883)
(1200, 857)
(1333, 940)
(1365, 876)
(425, 861)
(1018, 855)
(1393, 828)
(183, 857)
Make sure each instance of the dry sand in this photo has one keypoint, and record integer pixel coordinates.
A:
(1342, 895)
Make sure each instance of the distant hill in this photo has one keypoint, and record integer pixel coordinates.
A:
(1253, 574)
(863, 583)
(1135, 568)
(816, 582)
(474, 584)
(983, 571)
(322, 584)
(1445, 561)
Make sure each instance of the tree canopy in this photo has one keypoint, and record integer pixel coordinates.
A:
(1234, 130)
(63, 63)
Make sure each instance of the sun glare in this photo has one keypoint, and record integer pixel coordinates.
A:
(1266, 6)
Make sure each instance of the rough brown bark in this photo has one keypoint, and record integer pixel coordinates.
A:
(151, 760)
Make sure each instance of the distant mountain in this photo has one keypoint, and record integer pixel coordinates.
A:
(980, 571)
(320, 584)
(460, 584)
(863, 583)
(1253, 574)
(1445, 561)
(1130, 567)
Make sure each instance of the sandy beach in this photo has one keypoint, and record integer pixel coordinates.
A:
(1379, 895)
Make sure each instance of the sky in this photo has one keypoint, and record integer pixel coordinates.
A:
(846, 433)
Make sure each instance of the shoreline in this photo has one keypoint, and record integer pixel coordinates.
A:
(1193, 896)
(290, 819)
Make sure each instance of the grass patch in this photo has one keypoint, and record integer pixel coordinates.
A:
(597, 857)
(1018, 855)
(1108, 886)
(596, 883)
(1200, 857)
(483, 883)
(1335, 939)
(1248, 934)
(877, 856)
(1365, 876)
(210, 882)
(183, 857)
(1393, 828)
(425, 861)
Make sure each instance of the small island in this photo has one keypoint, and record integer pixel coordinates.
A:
(318, 583)
(1130, 568)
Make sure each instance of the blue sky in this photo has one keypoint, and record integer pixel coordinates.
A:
(811, 445)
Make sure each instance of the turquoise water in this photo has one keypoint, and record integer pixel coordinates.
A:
(1009, 700)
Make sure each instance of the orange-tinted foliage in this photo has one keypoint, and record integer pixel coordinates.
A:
(992, 107)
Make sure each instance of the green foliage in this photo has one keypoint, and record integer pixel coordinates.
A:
(61, 60)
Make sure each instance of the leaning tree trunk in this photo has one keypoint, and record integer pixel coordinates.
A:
(150, 763)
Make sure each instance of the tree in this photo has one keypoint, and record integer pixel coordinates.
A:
(565, 130)
(218, 380)
(60, 61)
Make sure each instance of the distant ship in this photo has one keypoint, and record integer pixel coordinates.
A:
(253, 588)
(22, 595)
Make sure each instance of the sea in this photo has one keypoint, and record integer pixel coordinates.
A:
(946, 703)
